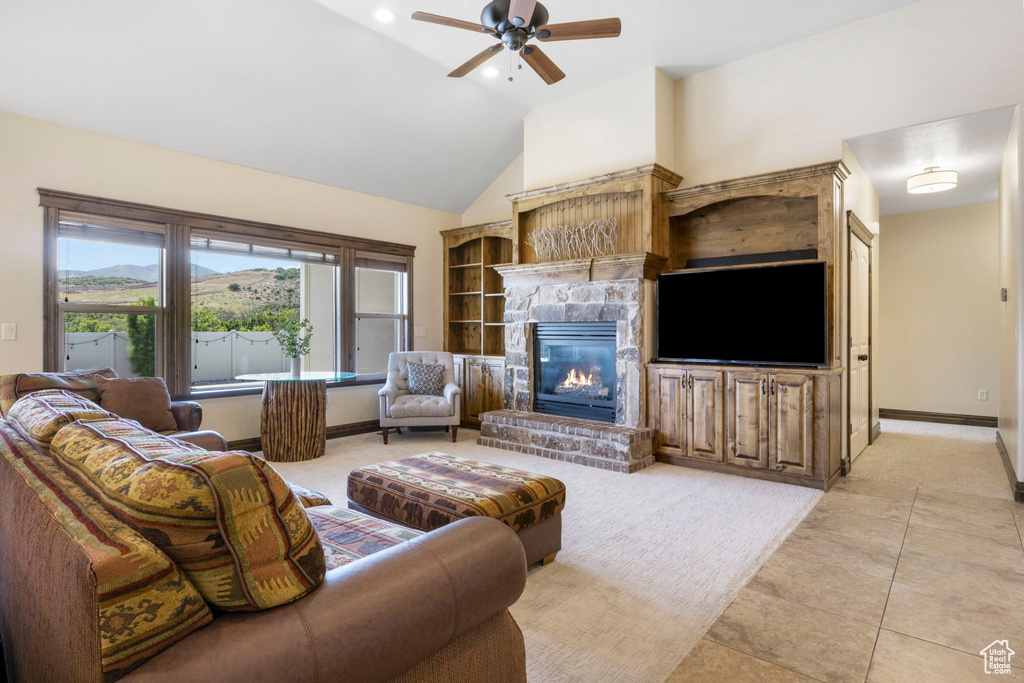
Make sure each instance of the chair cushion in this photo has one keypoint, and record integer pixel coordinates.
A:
(347, 535)
(145, 602)
(416, 405)
(434, 489)
(426, 379)
(227, 519)
(42, 414)
(143, 399)
(83, 382)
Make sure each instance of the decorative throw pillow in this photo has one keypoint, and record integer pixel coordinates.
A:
(40, 415)
(145, 400)
(426, 379)
(227, 519)
(82, 382)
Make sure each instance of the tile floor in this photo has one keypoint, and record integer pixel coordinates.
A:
(881, 582)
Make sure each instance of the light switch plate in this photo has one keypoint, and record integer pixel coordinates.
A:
(982, 394)
(8, 332)
(421, 332)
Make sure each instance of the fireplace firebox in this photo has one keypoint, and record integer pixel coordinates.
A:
(574, 370)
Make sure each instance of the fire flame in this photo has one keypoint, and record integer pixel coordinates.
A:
(580, 380)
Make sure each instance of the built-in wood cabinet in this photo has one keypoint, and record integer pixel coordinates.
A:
(773, 424)
(482, 380)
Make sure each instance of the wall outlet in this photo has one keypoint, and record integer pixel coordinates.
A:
(421, 332)
(8, 332)
(982, 394)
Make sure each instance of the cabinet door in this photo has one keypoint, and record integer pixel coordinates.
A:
(791, 434)
(495, 387)
(704, 433)
(666, 409)
(475, 392)
(746, 419)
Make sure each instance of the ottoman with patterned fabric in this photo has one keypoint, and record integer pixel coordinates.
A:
(431, 490)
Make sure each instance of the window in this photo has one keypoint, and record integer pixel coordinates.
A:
(197, 299)
(110, 295)
(381, 312)
(242, 293)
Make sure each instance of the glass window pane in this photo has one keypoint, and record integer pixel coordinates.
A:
(379, 291)
(375, 339)
(240, 298)
(109, 274)
(124, 342)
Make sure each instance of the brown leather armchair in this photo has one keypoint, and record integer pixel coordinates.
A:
(189, 415)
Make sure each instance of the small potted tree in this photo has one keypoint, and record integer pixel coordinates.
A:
(295, 337)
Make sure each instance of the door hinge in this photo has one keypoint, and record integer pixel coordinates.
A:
(869, 270)
(850, 425)
(851, 340)
(869, 340)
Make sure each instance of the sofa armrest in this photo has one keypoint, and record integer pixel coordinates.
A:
(207, 440)
(369, 621)
(188, 415)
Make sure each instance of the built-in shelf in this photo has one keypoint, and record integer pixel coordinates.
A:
(494, 324)
(501, 294)
(464, 322)
(466, 265)
(465, 293)
(475, 303)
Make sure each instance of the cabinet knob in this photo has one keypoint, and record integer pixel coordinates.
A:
(862, 356)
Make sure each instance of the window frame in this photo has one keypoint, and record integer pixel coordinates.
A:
(174, 313)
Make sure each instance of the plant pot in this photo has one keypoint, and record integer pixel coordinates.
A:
(296, 367)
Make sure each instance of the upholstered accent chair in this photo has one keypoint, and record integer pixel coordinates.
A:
(401, 408)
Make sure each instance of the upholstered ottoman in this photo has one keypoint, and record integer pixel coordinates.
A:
(431, 490)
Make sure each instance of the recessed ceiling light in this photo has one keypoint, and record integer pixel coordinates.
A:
(491, 72)
(385, 16)
(932, 180)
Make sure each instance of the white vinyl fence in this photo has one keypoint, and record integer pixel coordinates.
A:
(217, 357)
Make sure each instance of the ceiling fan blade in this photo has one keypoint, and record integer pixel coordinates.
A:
(454, 23)
(477, 61)
(520, 12)
(542, 64)
(581, 30)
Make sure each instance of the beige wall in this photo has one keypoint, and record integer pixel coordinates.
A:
(616, 126)
(1011, 227)
(794, 105)
(35, 154)
(940, 311)
(493, 205)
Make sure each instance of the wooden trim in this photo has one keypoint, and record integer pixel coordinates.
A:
(858, 228)
(750, 472)
(333, 432)
(51, 306)
(941, 418)
(595, 184)
(102, 206)
(837, 168)
(178, 319)
(347, 308)
(600, 268)
(1017, 487)
(410, 335)
(876, 432)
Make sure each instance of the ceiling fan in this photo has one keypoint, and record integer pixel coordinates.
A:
(514, 22)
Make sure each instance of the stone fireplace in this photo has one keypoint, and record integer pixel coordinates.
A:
(574, 370)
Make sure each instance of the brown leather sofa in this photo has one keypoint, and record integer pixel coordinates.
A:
(430, 610)
(189, 416)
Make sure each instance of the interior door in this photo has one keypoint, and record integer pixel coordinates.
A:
(746, 418)
(860, 423)
(704, 433)
(791, 433)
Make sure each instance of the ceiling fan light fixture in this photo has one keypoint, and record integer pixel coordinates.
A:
(491, 72)
(385, 16)
(932, 180)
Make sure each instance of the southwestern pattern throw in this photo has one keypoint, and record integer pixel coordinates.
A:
(431, 490)
(227, 519)
(83, 382)
(348, 535)
(308, 498)
(145, 602)
(40, 416)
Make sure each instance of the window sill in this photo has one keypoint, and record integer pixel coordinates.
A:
(368, 380)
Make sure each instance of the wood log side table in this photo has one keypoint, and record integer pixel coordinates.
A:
(293, 421)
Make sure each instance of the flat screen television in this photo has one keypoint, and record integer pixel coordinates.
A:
(761, 315)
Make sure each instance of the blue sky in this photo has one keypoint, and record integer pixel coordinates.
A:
(81, 255)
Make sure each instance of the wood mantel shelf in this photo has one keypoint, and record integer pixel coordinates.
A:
(608, 182)
(600, 268)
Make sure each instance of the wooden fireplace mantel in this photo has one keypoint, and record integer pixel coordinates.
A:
(618, 267)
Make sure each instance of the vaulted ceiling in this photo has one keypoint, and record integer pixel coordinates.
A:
(317, 89)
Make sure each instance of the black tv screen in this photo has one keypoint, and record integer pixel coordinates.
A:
(770, 315)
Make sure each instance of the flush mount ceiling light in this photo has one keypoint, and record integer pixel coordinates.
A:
(932, 180)
(491, 72)
(385, 16)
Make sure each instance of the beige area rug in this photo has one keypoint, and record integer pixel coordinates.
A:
(648, 562)
(939, 456)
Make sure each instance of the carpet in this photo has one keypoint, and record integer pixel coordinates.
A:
(939, 456)
(648, 562)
